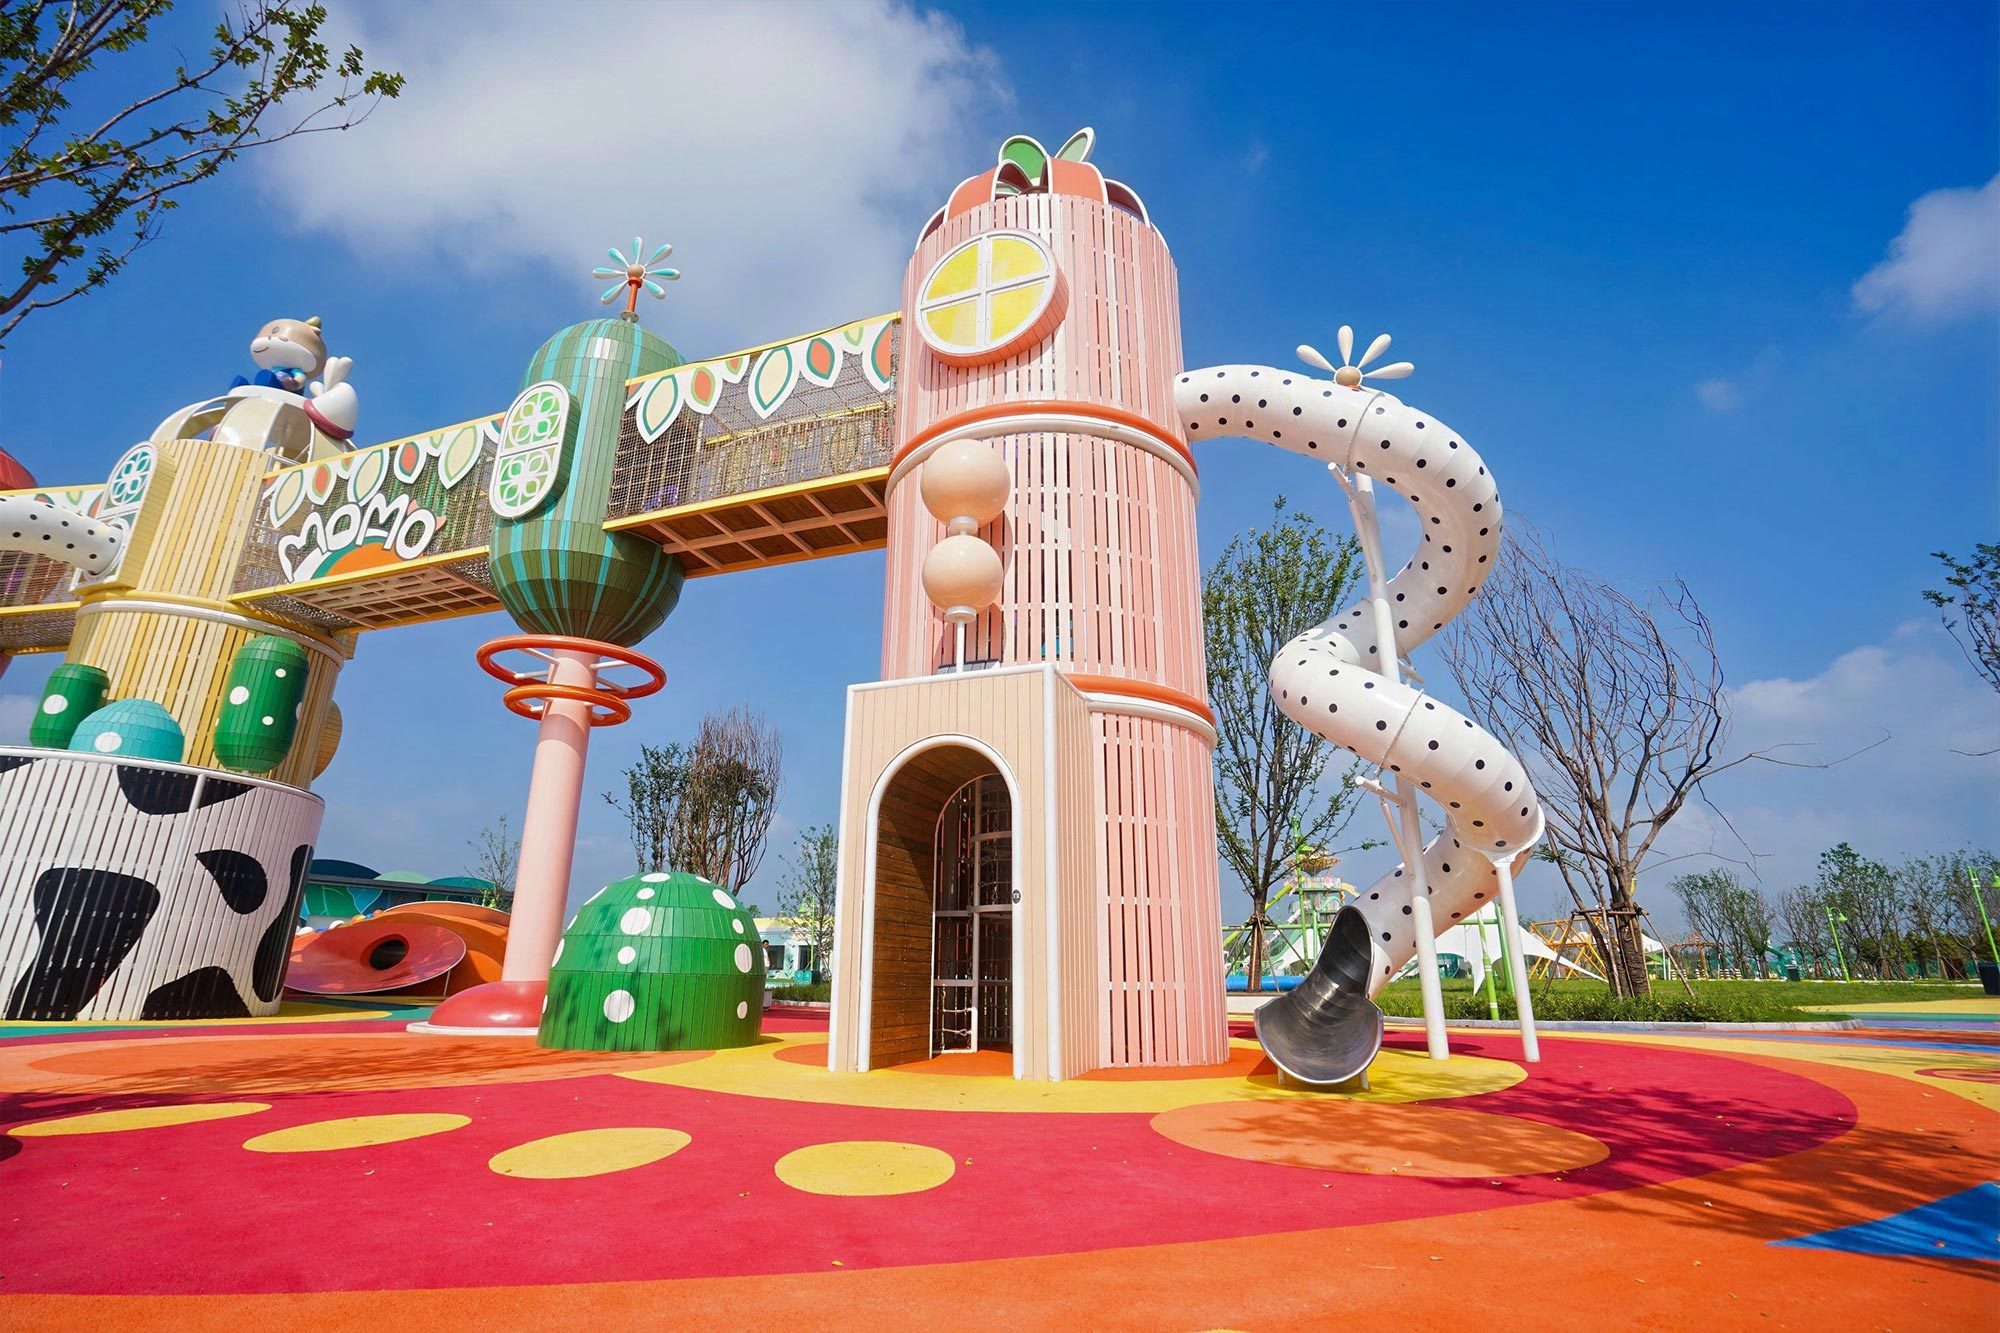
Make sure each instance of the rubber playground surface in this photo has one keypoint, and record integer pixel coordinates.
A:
(324, 1169)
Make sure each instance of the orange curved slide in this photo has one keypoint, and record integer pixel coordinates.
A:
(484, 930)
(446, 947)
(367, 957)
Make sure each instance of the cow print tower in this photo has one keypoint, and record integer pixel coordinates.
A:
(182, 906)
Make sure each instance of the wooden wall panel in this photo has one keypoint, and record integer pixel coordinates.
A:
(1159, 907)
(905, 876)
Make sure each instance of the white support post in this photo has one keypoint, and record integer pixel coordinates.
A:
(1517, 960)
(1404, 829)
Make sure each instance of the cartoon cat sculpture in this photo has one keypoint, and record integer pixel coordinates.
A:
(300, 406)
(290, 353)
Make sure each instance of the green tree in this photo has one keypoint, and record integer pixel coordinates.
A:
(1803, 912)
(1971, 607)
(1750, 926)
(653, 790)
(1703, 898)
(1865, 893)
(1730, 914)
(83, 184)
(705, 808)
(496, 858)
(1271, 789)
(806, 896)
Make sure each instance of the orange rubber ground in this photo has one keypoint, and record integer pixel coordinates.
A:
(334, 1174)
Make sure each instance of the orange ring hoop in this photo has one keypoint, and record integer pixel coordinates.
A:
(655, 682)
(519, 699)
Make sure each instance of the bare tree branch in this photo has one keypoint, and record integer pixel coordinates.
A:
(1617, 706)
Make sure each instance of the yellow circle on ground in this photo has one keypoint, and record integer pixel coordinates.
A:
(136, 1117)
(588, 1152)
(758, 1071)
(359, 1131)
(1406, 1140)
(865, 1167)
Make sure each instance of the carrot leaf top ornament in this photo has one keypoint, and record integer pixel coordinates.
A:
(1350, 372)
(1024, 167)
(635, 274)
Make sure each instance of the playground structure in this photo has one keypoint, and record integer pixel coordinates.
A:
(1027, 858)
(1328, 1029)
(417, 950)
(1314, 895)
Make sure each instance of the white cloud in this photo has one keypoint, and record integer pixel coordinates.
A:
(1946, 261)
(789, 151)
(1719, 395)
(1924, 787)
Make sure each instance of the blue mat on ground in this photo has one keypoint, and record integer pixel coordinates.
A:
(1965, 1225)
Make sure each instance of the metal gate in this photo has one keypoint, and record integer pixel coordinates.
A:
(972, 925)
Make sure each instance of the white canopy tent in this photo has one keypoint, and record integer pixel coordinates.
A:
(1466, 938)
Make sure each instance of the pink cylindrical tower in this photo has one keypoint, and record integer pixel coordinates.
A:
(1041, 314)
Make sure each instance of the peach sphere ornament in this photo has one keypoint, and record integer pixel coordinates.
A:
(964, 484)
(962, 576)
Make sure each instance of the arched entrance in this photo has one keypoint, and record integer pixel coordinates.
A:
(942, 941)
(972, 920)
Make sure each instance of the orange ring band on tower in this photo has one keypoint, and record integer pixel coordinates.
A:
(518, 699)
(958, 421)
(656, 681)
(1141, 689)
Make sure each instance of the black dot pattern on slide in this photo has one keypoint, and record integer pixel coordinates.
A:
(1409, 449)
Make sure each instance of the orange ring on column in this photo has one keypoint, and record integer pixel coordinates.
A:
(616, 710)
(568, 643)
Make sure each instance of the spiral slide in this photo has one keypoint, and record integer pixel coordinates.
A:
(1330, 680)
(30, 525)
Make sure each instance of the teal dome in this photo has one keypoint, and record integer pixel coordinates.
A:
(657, 962)
(131, 729)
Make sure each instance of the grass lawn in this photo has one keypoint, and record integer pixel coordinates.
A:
(1713, 1001)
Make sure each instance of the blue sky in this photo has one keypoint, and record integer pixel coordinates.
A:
(1621, 243)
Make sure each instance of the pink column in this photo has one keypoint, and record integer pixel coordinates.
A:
(548, 830)
(512, 1006)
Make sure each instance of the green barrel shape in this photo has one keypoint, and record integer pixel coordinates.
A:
(659, 962)
(132, 729)
(554, 567)
(74, 692)
(260, 704)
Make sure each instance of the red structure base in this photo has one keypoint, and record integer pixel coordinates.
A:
(498, 1008)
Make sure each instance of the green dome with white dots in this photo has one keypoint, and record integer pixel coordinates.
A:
(657, 962)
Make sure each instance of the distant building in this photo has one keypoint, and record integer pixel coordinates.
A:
(788, 952)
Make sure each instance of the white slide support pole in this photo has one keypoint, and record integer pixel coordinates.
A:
(1408, 831)
(1517, 959)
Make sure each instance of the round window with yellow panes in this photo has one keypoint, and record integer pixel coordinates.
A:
(988, 298)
